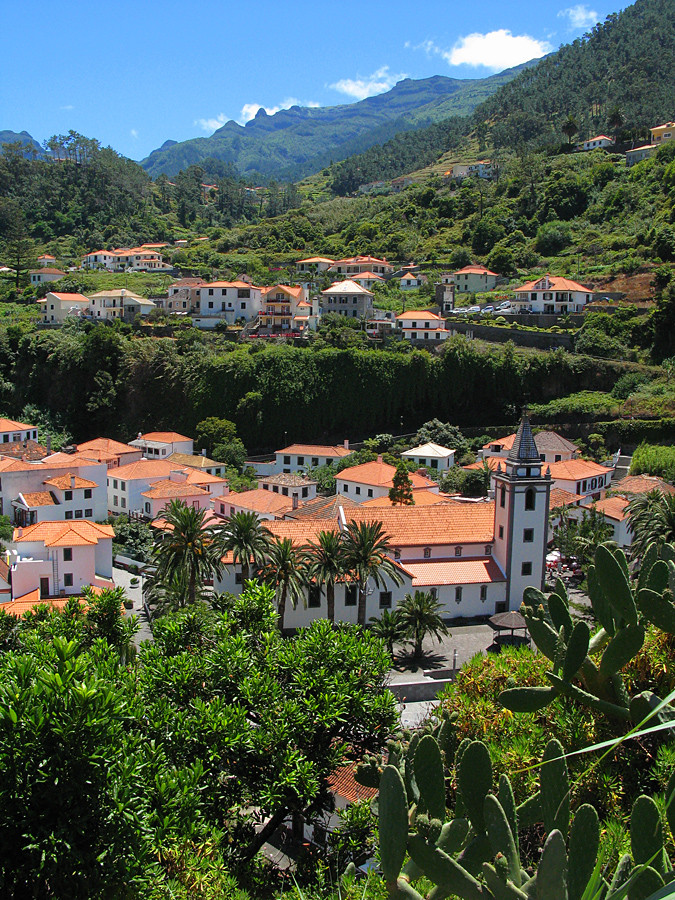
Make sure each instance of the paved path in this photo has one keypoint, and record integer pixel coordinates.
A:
(122, 578)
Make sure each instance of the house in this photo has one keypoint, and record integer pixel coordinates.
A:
(314, 264)
(267, 505)
(224, 301)
(286, 484)
(432, 456)
(25, 450)
(136, 306)
(55, 474)
(287, 308)
(410, 281)
(112, 453)
(551, 294)
(127, 484)
(367, 279)
(354, 265)
(552, 447)
(382, 323)
(599, 142)
(176, 487)
(60, 557)
(374, 479)
(12, 432)
(118, 304)
(481, 169)
(182, 296)
(198, 461)
(298, 457)
(145, 258)
(46, 260)
(57, 307)
(581, 477)
(639, 153)
(474, 279)
(371, 186)
(45, 274)
(347, 298)
(421, 325)
(160, 444)
(403, 181)
(661, 133)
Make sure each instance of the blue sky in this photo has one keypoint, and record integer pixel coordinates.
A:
(135, 74)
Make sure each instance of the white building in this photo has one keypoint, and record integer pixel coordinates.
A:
(57, 307)
(375, 479)
(45, 274)
(353, 265)
(637, 154)
(63, 497)
(128, 484)
(54, 473)
(11, 432)
(267, 505)
(313, 264)
(301, 457)
(224, 301)
(46, 260)
(160, 444)
(599, 142)
(347, 298)
(60, 557)
(411, 281)
(145, 258)
(288, 308)
(552, 447)
(431, 456)
(421, 325)
(176, 487)
(552, 295)
(474, 279)
(367, 279)
(582, 477)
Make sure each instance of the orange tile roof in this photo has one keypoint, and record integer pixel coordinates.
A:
(107, 445)
(197, 476)
(555, 284)
(422, 497)
(367, 276)
(259, 500)
(362, 259)
(380, 474)
(315, 450)
(144, 468)
(315, 259)
(225, 284)
(70, 298)
(343, 784)
(74, 533)
(475, 270)
(483, 570)
(454, 522)
(293, 290)
(492, 462)
(56, 461)
(11, 425)
(324, 508)
(68, 481)
(167, 437)
(613, 507)
(165, 489)
(560, 498)
(46, 270)
(39, 498)
(642, 484)
(46, 256)
(574, 469)
(419, 314)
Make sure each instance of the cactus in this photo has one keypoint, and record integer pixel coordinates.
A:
(623, 613)
(481, 861)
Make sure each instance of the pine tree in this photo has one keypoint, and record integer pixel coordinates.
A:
(401, 493)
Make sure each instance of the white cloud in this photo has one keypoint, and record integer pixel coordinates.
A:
(360, 88)
(133, 133)
(495, 50)
(579, 16)
(211, 125)
(248, 112)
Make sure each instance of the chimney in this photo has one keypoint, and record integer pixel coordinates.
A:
(19, 532)
(72, 481)
(295, 501)
(178, 476)
(226, 490)
(204, 452)
(139, 436)
(346, 443)
(379, 457)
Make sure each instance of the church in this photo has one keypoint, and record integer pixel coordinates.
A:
(475, 556)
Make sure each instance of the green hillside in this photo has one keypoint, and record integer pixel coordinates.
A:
(298, 141)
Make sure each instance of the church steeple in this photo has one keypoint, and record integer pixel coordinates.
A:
(524, 448)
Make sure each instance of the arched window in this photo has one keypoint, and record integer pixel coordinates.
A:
(529, 498)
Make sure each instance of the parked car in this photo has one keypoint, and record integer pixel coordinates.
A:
(473, 309)
(504, 307)
(487, 309)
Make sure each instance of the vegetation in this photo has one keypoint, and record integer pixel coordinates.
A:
(420, 616)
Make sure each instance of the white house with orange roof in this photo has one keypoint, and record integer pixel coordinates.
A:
(313, 264)
(126, 485)
(474, 279)
(145, 258)
(63, 497)
(553, 447)
(551, 294)
(288, 308)
(347, 298)
(582, 477)
(224, 301)
(267, 505)
(30, 477)
(597, 142)
(56, 307)
(160, 444)
(301, 457)
(176, 487)
(374, 479)
(45, 274)
(60, 557)
(11, 432)
(411, 281)
(112, 453)
(421, 325)
(367, 280)
(353, 265)
(46, 260)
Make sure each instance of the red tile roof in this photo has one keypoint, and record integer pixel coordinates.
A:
(164, 489)
(260, 500)
(419, 314)
(454, 522)
(613, 507)
(642, 484)
(422, 497)
(75, 533)
(343, 784)
(39, 498)
(108, 446)
(574, 469)
(475, 270)
(555, 284)
(314, 450)
(560, 498)
(11, 425)
(293, 290)
(455, 571)
(70, 298)
(167, 437)
(380, 474)
(68, 481)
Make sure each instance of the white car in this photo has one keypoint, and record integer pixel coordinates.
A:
(473, 309)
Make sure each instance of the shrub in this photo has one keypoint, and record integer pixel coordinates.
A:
(654, 459)
(552, 237)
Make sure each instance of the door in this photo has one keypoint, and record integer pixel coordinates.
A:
(44, 587)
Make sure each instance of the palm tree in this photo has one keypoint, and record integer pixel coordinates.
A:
(570, 128)
(366, 547)
(246, 539)
(652, 518)
(389, 628)
(420, 616)
(285, 570)
(170, 593)
(326, 564)
(186, 548)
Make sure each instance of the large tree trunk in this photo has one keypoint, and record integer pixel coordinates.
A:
(361, 614)
(266, 832)
(244, 573)
(282, 607)
(330, 601)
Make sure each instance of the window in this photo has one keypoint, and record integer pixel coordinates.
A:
(501, 532)
(89, 513)
(427, 552)
(434, 593)
(123, 502)
(529, 498)
(67, 554)
(397, 554)
(68, 495)
(557, 457)
(284, 491)
(526, 568)
(345, 488)
(350, 595)
(315, 462)
(301, 460)
(237, 578)
(528, 535)
(385, 599)
(68, 579)
(69, 514)
(87, 493)
(78, 513)
(305, 492)
(115, 483)
(370, 492)
(357, 489)
(458, 595)
(502, 496)
(483, 593)
(115, 502)
(147, 508)
(458, 551)
(314, 597)
(287, 460)
(488, 549)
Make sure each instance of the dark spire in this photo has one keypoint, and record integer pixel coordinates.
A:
(524, 448)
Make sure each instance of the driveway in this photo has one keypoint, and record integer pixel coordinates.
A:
(122, 578)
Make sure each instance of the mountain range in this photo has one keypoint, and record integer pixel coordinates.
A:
(298, 141)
